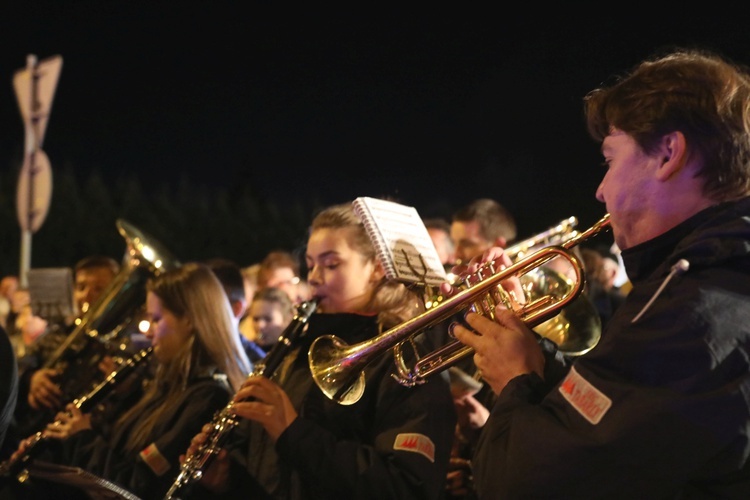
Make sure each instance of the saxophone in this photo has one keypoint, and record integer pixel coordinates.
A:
(225, 420)
(16, 466)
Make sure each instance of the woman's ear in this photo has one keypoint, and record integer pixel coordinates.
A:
(674, 155)
(378, 273)
(187, 323)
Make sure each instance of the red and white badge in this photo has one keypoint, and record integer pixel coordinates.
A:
(155, 459)
(418, 443)
(589, 401)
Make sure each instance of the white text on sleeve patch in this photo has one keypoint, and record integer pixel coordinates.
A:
(589, 401)
(418, 443)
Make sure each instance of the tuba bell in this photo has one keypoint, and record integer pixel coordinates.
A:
(338, 368)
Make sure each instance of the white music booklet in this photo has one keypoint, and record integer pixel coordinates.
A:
(401, 240)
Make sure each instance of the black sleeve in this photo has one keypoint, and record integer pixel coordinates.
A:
(8, 383)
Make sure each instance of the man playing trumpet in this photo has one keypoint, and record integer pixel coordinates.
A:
(661, 407)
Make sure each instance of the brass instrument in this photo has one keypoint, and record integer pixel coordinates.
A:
(338, 369)
(110, 317)
(555, 235)
(16, 466)
(225, 420)
(576, 328)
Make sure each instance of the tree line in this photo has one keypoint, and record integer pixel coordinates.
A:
(193, 222)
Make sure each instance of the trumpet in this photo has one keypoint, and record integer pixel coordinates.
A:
(338, 369)
(555, 235)
(224, 421)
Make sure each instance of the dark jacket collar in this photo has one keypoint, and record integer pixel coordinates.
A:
(709, 237)
(352, 328)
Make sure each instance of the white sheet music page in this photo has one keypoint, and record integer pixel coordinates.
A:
(401, 240)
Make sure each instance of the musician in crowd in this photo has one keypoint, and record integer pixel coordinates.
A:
(39, 392)
(475, 227)
(200, 365)
(481, 224)
(660, 408)
(280, 269)
(296, 443)
(250, 278)
(24, 327)
(230, 277)
(610, 271)
(271, 312)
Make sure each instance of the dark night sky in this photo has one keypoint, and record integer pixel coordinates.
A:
(433, 110)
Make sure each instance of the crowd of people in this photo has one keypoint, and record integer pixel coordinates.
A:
(657, 407)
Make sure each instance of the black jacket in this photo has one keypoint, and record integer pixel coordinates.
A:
(8, 383)
(393, 443)
(107, 458)
(661, 407)
(103, 455)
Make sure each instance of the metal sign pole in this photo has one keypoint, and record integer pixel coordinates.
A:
(31, 146)
(35, 88)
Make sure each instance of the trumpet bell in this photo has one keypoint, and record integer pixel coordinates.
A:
(330, 372)
(577, 328)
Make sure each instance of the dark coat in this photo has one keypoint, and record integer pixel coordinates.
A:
(106, 456)
(661, 407)
(393, 443)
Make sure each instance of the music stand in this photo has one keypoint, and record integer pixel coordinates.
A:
(51, 293)
(93, 486)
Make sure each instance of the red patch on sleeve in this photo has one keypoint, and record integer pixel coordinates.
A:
(417, 443)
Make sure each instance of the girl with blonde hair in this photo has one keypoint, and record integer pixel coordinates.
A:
(394, 442)
(200, 364)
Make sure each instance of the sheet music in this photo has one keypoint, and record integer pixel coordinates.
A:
(51, 292)
(401, 240)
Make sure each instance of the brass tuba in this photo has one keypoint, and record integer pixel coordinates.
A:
(338, 369)
(111, 317)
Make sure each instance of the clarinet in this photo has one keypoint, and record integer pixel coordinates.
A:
(17, 466)
(225, 420)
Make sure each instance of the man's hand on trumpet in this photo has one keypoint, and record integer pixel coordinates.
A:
(504, 348)
(500, 260)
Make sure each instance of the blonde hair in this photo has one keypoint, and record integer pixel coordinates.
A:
(391, 300)
(191, 291)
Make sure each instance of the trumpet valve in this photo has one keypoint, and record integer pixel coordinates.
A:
(496, 295)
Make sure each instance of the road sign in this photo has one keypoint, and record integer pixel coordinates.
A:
(35, 90)
(34, 191)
